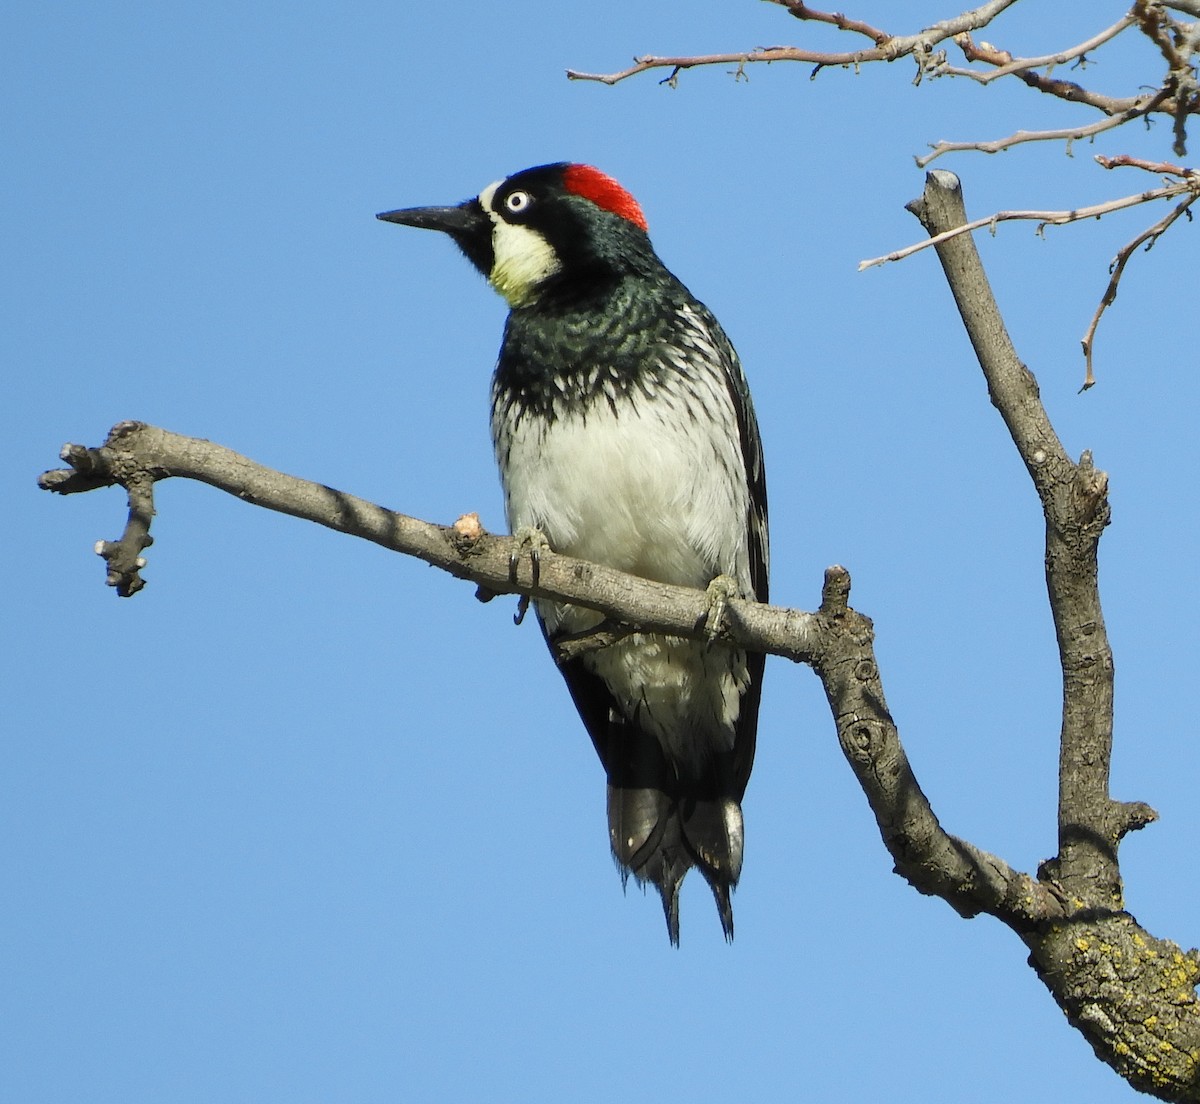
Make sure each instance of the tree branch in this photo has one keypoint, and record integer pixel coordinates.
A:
(888, 47)
(930, 859)
(1023, 68)
(136, 455)
(1131, 994)
(1147, 238)
(835, 19)
(1177, 96)
(1006, 64)
(1136, 107)
(1187, 185)
(837, 641)
(1074, 502)
(1043, 218)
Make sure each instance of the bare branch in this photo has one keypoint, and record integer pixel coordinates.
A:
(1143, 105)
(1074, 502)
(1043, 218)
(748, 57)
(1187, 185)
(136, 453)
(1147, 237)
(1161, 168)
(1006, 64)
(887, 48)
(1145, 1014)
(836, 19)
(1178, 96)
(933, 861)
(836, 641)
(1095, 962)
(1042, 82)
(1010, 385)
(1191, 179)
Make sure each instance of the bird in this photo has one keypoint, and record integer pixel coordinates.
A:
(625, 435)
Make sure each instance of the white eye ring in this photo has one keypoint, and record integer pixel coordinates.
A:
(516, 202)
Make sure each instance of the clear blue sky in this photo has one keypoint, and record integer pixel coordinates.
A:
(303, 822)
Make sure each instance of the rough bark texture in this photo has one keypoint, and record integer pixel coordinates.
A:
(1131, 995)
(136, 455)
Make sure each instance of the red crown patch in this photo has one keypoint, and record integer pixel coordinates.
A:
(603, 191)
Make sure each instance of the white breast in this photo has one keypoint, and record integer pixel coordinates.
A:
(644, 492)
(647, 493)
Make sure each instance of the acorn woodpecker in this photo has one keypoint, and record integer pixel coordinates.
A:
(625, 435)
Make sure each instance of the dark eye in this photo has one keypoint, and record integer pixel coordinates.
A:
(517, 202)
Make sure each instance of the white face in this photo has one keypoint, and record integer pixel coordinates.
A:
(523, 258)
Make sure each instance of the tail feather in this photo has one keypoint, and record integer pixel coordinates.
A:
(712, 829)
(659, 838)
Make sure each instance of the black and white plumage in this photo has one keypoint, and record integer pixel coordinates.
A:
(625, 433)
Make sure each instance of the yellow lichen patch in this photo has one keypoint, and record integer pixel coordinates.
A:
(1188, 970)
(1149, 1021)
(1082, 944)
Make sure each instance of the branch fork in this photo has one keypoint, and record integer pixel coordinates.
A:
(91, 468)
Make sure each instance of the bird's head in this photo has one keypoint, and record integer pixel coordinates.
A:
(558, 225)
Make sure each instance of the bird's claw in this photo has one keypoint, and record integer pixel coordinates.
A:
(719, 591)
(529, 539)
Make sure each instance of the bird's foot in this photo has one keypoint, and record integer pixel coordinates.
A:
(719, 591)
(531, 540)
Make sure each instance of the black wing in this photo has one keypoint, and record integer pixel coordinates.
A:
(659, 823)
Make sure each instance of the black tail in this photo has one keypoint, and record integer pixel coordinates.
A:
(658, 838)
(661, 820)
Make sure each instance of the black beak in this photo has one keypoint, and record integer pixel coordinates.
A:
(467, 224)
(449, 220)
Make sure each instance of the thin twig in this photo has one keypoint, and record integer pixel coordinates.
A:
(891, 48)
(1148, 237)
(1143, 105)
(1162, 168)
(1006, 64)
(1043, 218)
(836, 19)
(749, 57)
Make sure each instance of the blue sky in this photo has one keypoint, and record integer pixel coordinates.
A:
(303, 822)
